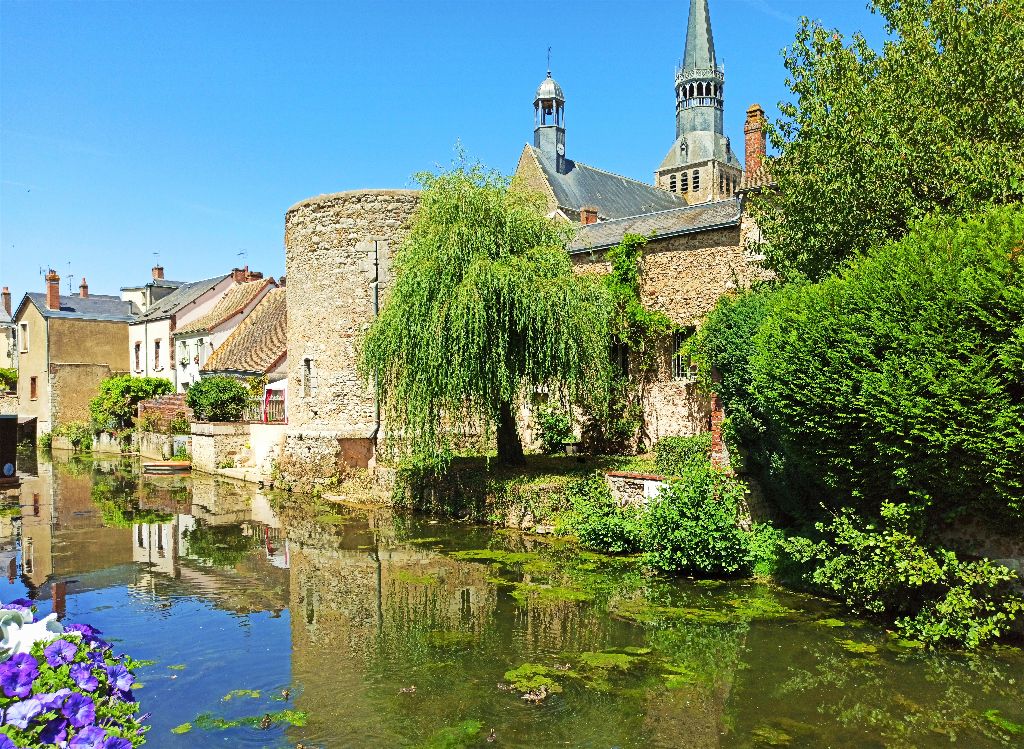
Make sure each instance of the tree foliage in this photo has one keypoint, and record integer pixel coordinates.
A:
(484, 305)
(115, 406)
(873, 141)
(218, 399)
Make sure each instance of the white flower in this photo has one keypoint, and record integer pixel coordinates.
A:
(20, 632)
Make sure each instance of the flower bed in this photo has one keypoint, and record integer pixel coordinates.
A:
(63, 686)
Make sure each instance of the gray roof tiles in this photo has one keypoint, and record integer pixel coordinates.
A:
(615, 196)
(92, 307)
(178, 299)
(702, 217)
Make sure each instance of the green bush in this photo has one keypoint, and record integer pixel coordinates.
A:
(218, 399)
(554, 427)
(8, 379)
(46, 440)
(179, 424)
(597, 520)
(116, 405)
(673, 455)
(884, 569)
(900, 379)
(691, 526)
(78, 433)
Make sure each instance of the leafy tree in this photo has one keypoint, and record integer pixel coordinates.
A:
(218, 399)
(901, 378)
(485, 305)
(115, 406)
(8, 378)
(874, 141)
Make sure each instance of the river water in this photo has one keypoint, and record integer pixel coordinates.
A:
(366, 628)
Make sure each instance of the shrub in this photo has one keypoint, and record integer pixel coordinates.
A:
(554, 427)
(691, 528)
(672, 455)
(8, 379)
(115, 407)
(884, 569)
(179, 424)
(78, 433)
(46, 440)
(597, 520)
(218, 399)
(64, 684)
(900, 379)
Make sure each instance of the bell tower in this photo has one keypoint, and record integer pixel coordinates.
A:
(549, 122)
(701, 165)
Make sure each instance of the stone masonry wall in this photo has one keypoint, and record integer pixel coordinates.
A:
(329, 260)
(164, 408)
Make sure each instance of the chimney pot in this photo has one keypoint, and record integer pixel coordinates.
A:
(83, 289)
(7, 299)
(52, 290)
(158, 272)
(588, 214)
(755, 143)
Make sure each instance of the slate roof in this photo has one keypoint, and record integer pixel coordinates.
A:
(615, 196)
(259, 341)
(756, 179)
(93, 307)
(702, 217)
(4, 316)
(699, 52)
(179, 299)
(235, 299)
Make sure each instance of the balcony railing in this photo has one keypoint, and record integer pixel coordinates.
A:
(269, 411)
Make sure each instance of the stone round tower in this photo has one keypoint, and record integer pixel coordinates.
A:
(338, 251)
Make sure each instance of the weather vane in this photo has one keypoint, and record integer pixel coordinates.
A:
(549, 62)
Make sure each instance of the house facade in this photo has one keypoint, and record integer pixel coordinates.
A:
(196, 340)
(150, 337)
(67, 345)
(8, 339)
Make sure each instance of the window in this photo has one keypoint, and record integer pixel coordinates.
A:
(620, 358)
(672, 183)
(721, 184)
(138, 356)
(684, 182)
(156, 354)
(696, 179)
(33, 388)
(682, 367)
(308, 377)
(23, 336)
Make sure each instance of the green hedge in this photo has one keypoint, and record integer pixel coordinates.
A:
(218, 399)
(673, 455)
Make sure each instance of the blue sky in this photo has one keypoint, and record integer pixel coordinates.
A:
(187, 129)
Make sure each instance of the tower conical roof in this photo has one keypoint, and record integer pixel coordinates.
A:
(700, 44)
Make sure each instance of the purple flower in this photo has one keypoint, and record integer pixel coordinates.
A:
(81, 674)
(55, 732)
(116, 742)
(92, 737)
(88, 634)
(120, 677)
(21, 713)
(17, 675)
(79, 709)
(19, 604)
(60, 653)
(6, 743)
(53, 700)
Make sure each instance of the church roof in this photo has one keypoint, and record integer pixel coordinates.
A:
(259, 342)
(691, 218)
(700, 44)
(613, 195)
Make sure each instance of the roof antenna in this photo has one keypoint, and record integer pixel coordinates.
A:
(71, 282)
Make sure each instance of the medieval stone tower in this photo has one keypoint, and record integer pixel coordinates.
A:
(700, 166)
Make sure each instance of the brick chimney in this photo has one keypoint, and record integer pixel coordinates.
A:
(588, 214)
(238, 275)
(755, 143)
(6, 294)
(53, 290)
(158, 273)
(83, 289)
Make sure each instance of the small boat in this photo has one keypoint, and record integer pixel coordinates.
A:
(165, 467)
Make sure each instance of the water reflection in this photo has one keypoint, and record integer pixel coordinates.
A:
(392, 630)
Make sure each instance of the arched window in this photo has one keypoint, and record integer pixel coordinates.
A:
(684, 182)
(696, 179)
(672, 183)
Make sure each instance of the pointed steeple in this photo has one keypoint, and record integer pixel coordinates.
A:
(700, 44)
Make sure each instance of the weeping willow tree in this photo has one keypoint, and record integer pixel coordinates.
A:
(484, 306)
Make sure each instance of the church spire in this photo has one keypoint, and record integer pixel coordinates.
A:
(699, 53)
